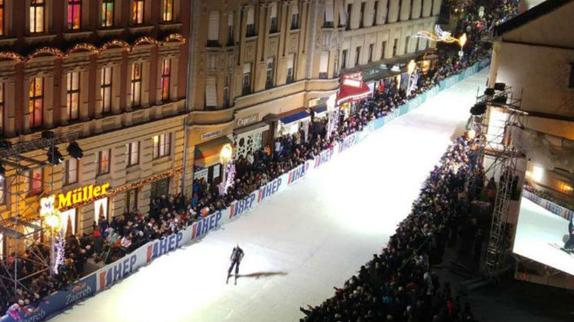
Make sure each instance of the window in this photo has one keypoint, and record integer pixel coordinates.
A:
(371, 49)
(71, 171)
(250, 22)
(246, 79)
(213, 29)
(132, 200)
(107, 14)
(328, 14)
(165, 79)
(324, 65)
(104, 161)
(2, 109)
(106, 89)
(357, 56)
(1, 17)
(210, 92)
(407, 44)
(362, 21)
(2, 190)
(73, 20)
(269, 82)
(395, 44)
(295, 17)
(230, 29)
(290, 69)
(161, 145)
(387, 12)
(37, 21)
(344, 59)
(73, 95)
(167, 10)
(138, 12)
(349, 15)
(35, 181)
(376, 12)
(571, 81)
(274, 26)
(383, 49)
(226, 92)
(136, 82)
(36, 102)
(133, 153)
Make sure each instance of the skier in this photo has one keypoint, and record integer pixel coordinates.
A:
(236, 257)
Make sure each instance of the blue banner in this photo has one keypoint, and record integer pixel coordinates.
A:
(379, 122)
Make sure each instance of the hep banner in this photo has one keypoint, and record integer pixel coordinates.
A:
(298, 173)
(324, 157)
(240, 207)
(348, 142)
(270, 188)
(549, 205)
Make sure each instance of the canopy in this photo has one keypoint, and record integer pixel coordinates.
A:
(349, 93)
(294, 117)
(207, 154)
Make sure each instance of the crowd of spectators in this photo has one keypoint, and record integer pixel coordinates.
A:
(109, 240)
(398, 284)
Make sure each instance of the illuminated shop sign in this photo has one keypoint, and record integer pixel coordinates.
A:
(75, 197)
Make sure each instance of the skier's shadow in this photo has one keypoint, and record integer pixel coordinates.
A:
(259, 275)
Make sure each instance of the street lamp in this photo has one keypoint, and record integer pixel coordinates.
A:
(461, 42)
(226, 156)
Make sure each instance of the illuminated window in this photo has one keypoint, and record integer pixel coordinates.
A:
(133, 153)
(1, 17)
(71, 171)
(35, 181)
(2, 108)
(104, 157)
(136, 85)
(167, 10)
(161, 145)
(106, 89)
(138, 12)
(74, 14)
(73, 95)
(36, 102)
(2, 189)
(165, 79)
(37, 12)
(107, 18)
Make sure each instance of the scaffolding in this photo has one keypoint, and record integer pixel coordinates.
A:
(497, 143)
(22, 229)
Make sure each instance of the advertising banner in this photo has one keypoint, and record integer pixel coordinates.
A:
(325, 156)
(378, 123)
(549, 205)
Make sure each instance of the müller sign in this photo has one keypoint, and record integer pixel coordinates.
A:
(81, 195)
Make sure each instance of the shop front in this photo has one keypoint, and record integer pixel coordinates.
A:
(352, 90)
(89, 202)
(250, 138)
(208, 159)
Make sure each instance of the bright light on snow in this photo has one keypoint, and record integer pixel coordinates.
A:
(301, 242)
(539, 236)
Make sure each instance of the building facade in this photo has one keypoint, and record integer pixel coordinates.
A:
(109, 74)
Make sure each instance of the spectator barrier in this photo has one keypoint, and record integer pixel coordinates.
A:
(112, 273)
(548, 205)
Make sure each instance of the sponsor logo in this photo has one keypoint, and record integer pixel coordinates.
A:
(242, 206)
(297, 173)
(269, 189)
(324, 157)
(78, 292)
(205, 225)
(116, 272)
(163, 246)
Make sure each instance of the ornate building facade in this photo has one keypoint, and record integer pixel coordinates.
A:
(109, 74)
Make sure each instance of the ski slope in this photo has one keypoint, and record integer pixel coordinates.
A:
(301, 242)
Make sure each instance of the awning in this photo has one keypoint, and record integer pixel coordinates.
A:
(349, 93)
(294, 117)
(253, 128)
(320, 109)
(207, 154)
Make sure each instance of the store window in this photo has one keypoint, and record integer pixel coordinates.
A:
(36, 102)
(35, 181)
(133, 153)
(136, 85)
(138, 12)
(132, 200)
(73, 95)
(37, 16)
(107, 14)
(161, 145)
(104, 161)
(3, 187)
(69, 221)
(101, 209)
(165, 79)
(159, 188)
(72, 171)
(167, 10)
(73, 18)
(106, 89)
